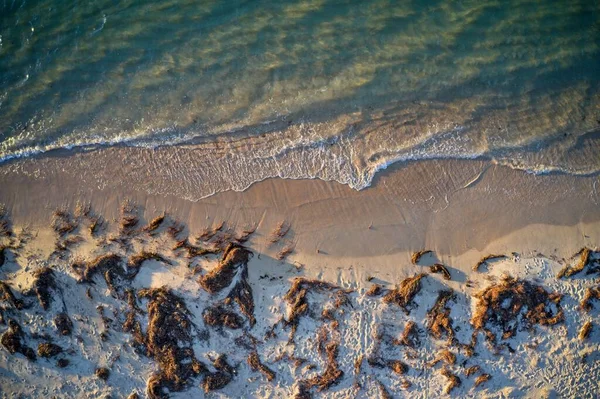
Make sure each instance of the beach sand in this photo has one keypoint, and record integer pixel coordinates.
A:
(460, 210)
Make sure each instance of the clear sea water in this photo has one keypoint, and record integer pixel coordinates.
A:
(306, 88)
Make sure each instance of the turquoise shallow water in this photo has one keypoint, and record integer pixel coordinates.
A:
(323, 88)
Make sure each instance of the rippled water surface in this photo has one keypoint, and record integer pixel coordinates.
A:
(314, 88)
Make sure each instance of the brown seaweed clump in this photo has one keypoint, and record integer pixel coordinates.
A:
(453, 380)
(481, 379)
(220, 378)
(585, 259)
(332, 373)
(103, 373)
(486, 259)
(63, 323)
(233, 263)
(383, 391)
(129, 218)
(169, 342)
(503, 304)
(439, 322)
(110, 266)
(297, 298)
(472, 370)
(6, 294)
(135, 262)
(257, 365)
(585, 330)
(62, 222)
(445, 356)
(409, 337)
(210, 232)
(439, 268)
(155, 224)
(279, 232)
(13, 338)
(285, 251)
(416, 256)
(48, 349)
(234, 258)
(42, 283)
(5, 224)
(404, 293)
(590, 294)
(375, 290)
(221, 317)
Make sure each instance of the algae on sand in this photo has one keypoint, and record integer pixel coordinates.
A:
(405, 292)
(503, 304)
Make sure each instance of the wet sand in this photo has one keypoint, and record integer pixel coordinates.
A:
(450, 206)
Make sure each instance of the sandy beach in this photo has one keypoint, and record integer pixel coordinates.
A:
(315, 244)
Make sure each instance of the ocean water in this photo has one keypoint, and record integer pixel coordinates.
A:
(227, 93)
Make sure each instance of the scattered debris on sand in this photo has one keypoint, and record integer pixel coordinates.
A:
(481, 379)
(155, 223)
(416, 256)
(110, 266)
(220, 378)
(2, 256)
(513, 302)
(210, 232)
(221, 317)
(285, 251)
(63, 323)
(129, 218)
(332, 373)
(472, 370)
(103, 373)
(279, 232)
(383, 391)
(5, 224)
(585, 330)
(95, 225)
(135, 262)
(48, 349)
(453, 380)
(487, 259)
(67, 243)
(257, 365)
(169, 342)
(405, 292)
(445, 356)
(590, 294)
(375, 290)
(234, 264)
(13, 338)
(439, 322)
(439, 268)
(297, 298)
(43, 281)
(234, 258)
(245, 235)
(585, 260)
(7, 295)
(62, 222)
(410, 336)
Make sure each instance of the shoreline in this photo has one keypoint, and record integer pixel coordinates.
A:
(452, 206)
